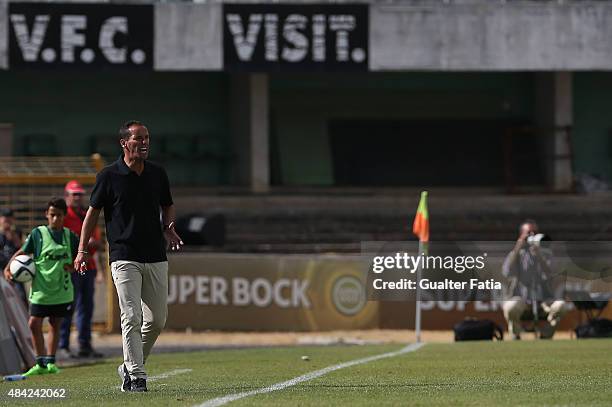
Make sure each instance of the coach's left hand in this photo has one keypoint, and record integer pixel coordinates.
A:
(173, 239)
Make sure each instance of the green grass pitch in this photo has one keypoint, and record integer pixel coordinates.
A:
(542, 373)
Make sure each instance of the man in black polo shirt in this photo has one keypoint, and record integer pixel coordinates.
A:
(132, 191)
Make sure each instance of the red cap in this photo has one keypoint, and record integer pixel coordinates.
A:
(74, 187)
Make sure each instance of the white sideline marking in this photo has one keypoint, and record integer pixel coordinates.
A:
(308, 376)
(168, 374)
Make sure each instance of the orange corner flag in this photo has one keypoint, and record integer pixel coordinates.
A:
(420, 227)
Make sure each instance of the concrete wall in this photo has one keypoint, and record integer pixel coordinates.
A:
(188, 37)
(490, 35)
(472, 35)
(476, 35)
(414, 35)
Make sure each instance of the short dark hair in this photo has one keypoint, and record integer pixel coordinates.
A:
(124, 130)
(528, 221)
(58, 203)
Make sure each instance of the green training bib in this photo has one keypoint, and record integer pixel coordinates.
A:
(52, 284)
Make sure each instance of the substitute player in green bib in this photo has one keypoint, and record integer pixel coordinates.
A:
(53, 248)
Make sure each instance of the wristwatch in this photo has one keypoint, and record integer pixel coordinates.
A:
(169, 226)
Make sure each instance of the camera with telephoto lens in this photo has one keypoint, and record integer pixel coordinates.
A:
(536, 239)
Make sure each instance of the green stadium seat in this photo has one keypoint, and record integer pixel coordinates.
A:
(105, 145)
(40, 145)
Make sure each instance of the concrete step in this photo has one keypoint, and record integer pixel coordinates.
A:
(320, 223)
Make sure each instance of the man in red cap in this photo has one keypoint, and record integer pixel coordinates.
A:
(84, 284)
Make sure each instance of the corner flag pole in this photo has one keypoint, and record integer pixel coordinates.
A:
(417, 317)
(420, 228)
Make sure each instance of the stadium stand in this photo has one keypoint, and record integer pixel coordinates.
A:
(40, 145)
(26, 184)
(293, 223)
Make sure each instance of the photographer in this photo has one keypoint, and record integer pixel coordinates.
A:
(528, 268)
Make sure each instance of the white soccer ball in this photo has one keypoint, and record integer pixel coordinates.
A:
(23, 268)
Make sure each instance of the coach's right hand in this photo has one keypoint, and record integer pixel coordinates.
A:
(80, 262)
(7, 274)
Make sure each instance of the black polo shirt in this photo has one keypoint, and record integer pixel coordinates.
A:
(131, 205)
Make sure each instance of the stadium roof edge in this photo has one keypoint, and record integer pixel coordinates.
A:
(427, 3)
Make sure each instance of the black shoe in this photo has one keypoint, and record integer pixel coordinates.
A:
(126, 382)
(89, 353)
(139, 385)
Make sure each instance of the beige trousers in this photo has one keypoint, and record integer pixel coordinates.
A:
(514, 308)
(142, 289)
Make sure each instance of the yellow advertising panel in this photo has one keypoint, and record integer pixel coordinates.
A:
(297, 293)
(267, 293)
